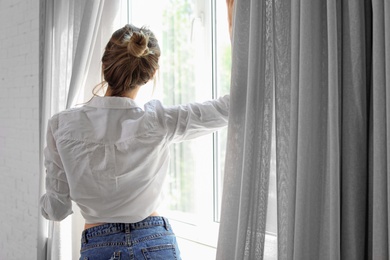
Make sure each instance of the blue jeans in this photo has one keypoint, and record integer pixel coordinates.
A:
(151, 238)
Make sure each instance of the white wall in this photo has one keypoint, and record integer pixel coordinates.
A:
(19, 126)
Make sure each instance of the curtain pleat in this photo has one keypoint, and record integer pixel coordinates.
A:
(379, 172)
(330, 229)
(312, 125)
(355, 125)
(283, 107)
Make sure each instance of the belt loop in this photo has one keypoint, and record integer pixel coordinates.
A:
(127, 228)
(84, 237)
(166, 223)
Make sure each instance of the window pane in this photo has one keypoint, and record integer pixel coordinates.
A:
(184, 76)
(178, 78)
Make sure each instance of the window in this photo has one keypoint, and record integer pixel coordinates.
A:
(194, 66)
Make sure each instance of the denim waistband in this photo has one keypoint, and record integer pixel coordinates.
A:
(111, 228)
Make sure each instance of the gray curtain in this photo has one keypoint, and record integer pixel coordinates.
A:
(332, 147)
(247, 168)
(331, 77)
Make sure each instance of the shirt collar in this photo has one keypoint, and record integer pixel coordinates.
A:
(112, 102)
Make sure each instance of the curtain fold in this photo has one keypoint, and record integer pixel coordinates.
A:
(87, 35)
(283, 106)
(71, 30)
(331, 77)
(355, 126)
(379, 172)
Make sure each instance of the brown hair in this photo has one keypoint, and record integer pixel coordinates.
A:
(130, 59)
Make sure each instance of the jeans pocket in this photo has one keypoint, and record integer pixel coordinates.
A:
(160, 252)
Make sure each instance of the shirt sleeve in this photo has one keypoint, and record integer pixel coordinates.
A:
(189, 121)
(56, 203)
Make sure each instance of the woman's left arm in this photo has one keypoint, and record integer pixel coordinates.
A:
(189, 121)
(56, 203)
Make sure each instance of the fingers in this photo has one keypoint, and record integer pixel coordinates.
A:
(230, 4)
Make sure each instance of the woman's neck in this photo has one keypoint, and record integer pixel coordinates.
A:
(132, 93)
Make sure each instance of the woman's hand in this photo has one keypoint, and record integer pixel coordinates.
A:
(230, 16)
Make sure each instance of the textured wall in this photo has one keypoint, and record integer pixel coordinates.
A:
(19, 126)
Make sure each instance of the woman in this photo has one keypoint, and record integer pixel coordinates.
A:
(111, 157)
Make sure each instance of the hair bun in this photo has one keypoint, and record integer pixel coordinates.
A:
(138, 44)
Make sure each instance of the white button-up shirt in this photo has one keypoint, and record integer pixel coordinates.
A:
(110, 156)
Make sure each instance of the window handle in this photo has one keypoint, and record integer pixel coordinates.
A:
(195, 21)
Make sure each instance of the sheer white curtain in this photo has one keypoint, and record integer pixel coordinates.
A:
(331, 76)
(71, 29)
